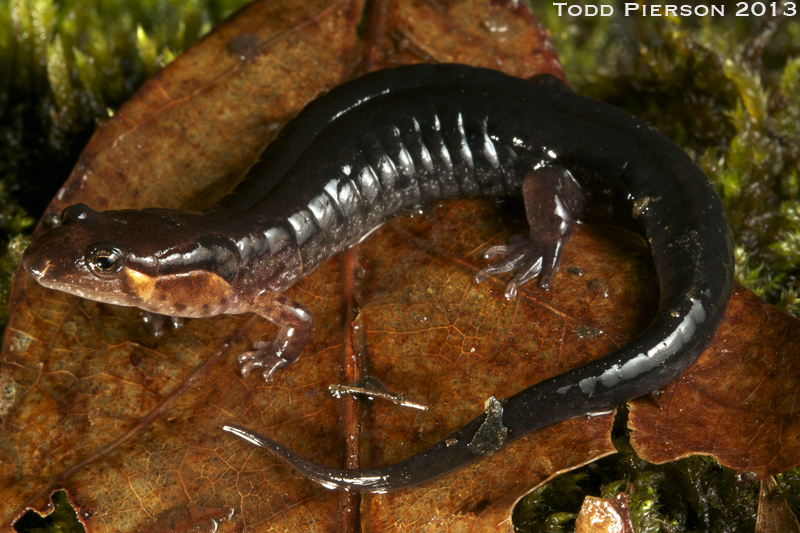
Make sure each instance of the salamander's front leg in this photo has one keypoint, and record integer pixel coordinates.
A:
(553, 201)
(295, 322)
(156, 322)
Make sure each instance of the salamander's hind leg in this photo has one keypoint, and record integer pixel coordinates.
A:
(553, 201)
(295, 322)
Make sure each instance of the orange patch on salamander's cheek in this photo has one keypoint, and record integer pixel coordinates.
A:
(138, 284)
(191, 294)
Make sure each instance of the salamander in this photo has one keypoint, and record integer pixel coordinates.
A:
(392, 139)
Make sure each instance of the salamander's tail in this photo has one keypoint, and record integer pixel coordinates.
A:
(671, 344)
(328, 477)
(450, 453)
(638, 180)
(331, 478)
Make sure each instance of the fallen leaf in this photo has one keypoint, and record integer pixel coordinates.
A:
(604, 515)
(740, 402)
(129, 424)
(774, 514)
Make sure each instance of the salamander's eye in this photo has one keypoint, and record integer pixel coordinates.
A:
(105, 260)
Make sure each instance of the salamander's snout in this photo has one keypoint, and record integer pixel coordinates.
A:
(56, 256)
(35, 261)
(54, 260)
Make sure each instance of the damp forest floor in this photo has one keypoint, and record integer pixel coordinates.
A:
(727, 89)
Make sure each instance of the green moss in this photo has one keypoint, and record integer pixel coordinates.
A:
(726, 89)
(64, 66)
(690, 495)
(789, 488)
(712, 84)
(730, 99)
(63, 518)
(543, 510)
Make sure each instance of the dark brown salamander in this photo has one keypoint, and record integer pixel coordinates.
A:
(392, 139)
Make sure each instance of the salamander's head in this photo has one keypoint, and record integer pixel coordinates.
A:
(118, 257)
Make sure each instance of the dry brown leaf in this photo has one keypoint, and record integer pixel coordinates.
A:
(740, 403)
(129, 424)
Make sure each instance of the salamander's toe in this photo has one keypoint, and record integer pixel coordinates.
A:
(265, 355)
(525, 256)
